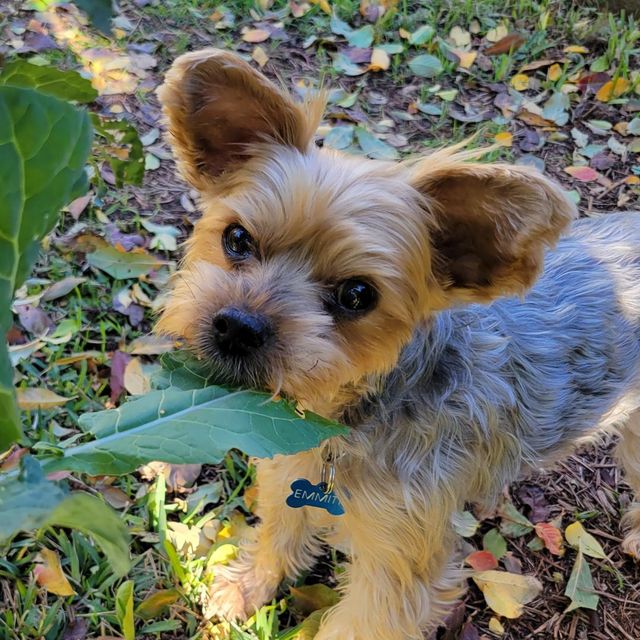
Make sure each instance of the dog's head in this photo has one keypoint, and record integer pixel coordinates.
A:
(310, 269)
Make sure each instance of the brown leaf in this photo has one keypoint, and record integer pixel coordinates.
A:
(511, 42)
(538, 64)
(593, 81)
(533, 119)
(77, 206)
(583, 174)
(177, 476)
(136, 382)
(48, 574)
(76, 630)
(11, 458)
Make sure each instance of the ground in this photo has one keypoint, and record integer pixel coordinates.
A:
(551, 83)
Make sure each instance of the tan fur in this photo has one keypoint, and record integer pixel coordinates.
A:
(428, 234)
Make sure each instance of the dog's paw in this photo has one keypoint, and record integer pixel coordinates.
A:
(631, 544)
(226, 600)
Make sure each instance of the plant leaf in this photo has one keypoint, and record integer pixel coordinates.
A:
(426, 66)
(513, 524)
(481, 560)
(124, 609)
(155, 603)
(578, 537)
(100, 13)
(191, 427)
(49, 575)
(310, 598)
(66, 85)
(39, 399)
(374, 147)
(506, 593)
(44, 143)
(580, 586)
(122, 265)
(551, 536)
(29, 501)
(465, 524)
(494, 542)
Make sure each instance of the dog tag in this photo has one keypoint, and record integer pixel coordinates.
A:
(305, 494)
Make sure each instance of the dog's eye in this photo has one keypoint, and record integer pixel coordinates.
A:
(355, 296)
(237, 242)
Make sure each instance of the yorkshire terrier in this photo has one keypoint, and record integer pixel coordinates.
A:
(450, 312)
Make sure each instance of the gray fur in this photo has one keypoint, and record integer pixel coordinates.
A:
(520, 380)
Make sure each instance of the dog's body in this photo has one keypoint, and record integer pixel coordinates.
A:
(339, 281)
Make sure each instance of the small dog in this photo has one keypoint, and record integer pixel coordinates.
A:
(390, 296)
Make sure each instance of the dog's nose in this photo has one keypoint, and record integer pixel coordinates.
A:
(238, 333)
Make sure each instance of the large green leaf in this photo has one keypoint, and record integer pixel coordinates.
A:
(580, 586)
(29, 501)
(191, 426)
(68, 85)
(44, 143)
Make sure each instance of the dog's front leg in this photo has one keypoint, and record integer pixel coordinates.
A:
(284, 542)
(401, 581)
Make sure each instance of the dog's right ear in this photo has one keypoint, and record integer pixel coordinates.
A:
(219, 108)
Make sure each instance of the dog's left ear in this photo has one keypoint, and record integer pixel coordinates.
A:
(219, 108)
(489, 225)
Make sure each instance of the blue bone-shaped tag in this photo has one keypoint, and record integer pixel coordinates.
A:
(305, 494)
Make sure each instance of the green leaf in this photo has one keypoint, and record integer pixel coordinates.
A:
(494, 542)
(361, 38)
(513, 524)
(122, 265)
(26, 500)
(465, 524)
(100, 13)
(634, 127)
(182, 370)
(580, 586)
(310, 597)
(555, 108)
(67, 85)
(344, 65)
(124, 609)
(154, 604)
(426, 66)
(579, 538)
(422, 35)
(90, 515)
(29, 501)
(194, 426)
(339, 137)
(44, 143)
(374, 147)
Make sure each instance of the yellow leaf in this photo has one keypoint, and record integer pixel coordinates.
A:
(504, 138)
(506, 593)
(49, 574)
(135, 380)
(460, 37)
(404, 34)
(310, 598)
(466, 58)
(610, 90)
(499, 32)
(223, 554)
(255, 35)
(260, 56)
(633, 180)
(39, 399)
(154, 604)
(323, 4)
(577, 536)
(380, 60)
(495, 626)
(576, 48)
(554, 72)
(520, 82)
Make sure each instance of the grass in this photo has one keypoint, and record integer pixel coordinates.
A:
(77, 365)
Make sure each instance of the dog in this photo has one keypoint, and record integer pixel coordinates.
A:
(453, 314)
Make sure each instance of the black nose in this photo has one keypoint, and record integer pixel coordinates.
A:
(238, 333)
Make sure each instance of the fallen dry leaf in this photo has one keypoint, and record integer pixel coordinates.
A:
(255, 35)
(380, 60)
(551, 536)
(460, 37)
(504, 138)
(39, 398)
(554, 72)
(538, 64)
(583, 174)
(260, 56)
(510, 42)
(612, 89)
(495, 626)
(520, 82)
(507, 593)
(48, 574)
(136, 382)
(576, 48)
(577, 536)
(497, 33)
(465, 58)
(481, 560)
(533, 119)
